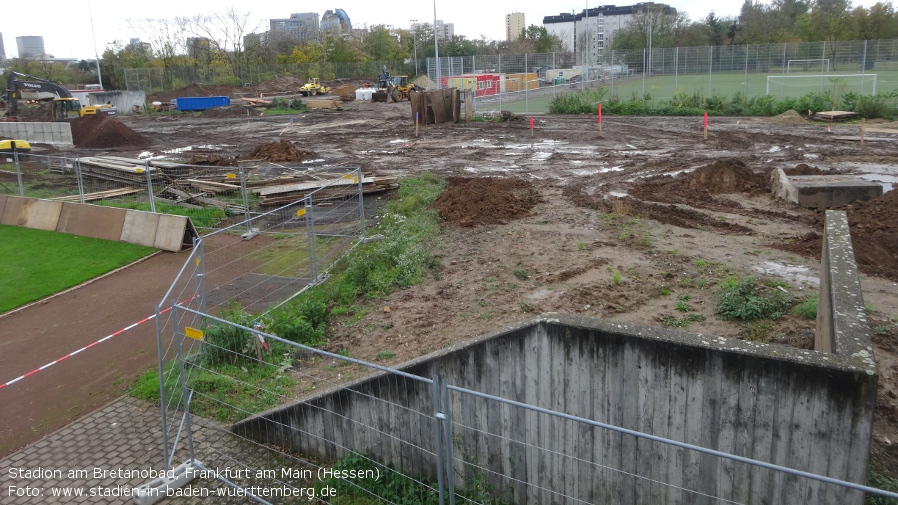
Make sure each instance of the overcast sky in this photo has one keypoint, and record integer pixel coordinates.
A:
(67, 34)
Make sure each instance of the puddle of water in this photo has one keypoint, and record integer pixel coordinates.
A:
(610, 169)
(585, 172)
(774, 149)
(541, 156)
(887, 181)
(398, 141)
(480, 170)
(191, 148)
(795, 273)
(811, 155)
(313, 161)
(618, 194)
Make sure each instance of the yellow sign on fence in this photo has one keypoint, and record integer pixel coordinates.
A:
(194, 333)
(301, 212)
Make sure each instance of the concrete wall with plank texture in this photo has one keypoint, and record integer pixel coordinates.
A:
(802, 409)
(162, 231)
(57, 133)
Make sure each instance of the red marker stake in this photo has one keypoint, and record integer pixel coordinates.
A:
(531, 126)
(706, 126)
(600, 119)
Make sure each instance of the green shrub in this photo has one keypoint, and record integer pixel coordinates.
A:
(748, 299)
(807, 309)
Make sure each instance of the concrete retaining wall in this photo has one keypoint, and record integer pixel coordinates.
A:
(802, 409)
(57, 133)
(162, 231)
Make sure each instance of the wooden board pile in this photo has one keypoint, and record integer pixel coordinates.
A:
(282, 191)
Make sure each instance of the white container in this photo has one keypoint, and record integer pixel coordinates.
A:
(360, 94)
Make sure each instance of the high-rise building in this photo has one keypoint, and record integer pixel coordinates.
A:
(336, 22)
(593, 30)
(445, 31)
(514, 25)
(2, 50)
(302, 27)
(30, 46)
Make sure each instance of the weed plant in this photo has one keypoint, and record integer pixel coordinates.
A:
(807, 309)
(748, 299)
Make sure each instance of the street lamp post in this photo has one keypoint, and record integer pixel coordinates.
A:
(415, 44)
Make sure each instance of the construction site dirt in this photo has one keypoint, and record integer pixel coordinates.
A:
(631, 225)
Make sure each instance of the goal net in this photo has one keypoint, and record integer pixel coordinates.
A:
(818, 65)
(794, 86)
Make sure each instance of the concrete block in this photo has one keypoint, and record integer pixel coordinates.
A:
(91, 221)
(2, 204)
(824, 191)
(170, 232)
(140, 228)
(31, 213)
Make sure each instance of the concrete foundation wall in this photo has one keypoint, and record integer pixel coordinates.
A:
(802, 409)
(57, 133)
(162, 231)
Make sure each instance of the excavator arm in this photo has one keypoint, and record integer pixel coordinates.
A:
(17, 84)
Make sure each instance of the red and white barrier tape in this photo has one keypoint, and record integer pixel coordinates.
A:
(69, 355)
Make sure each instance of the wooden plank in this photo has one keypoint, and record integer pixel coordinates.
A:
(308, 186)
(98, 195)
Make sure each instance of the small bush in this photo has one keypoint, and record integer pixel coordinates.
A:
(807, 309)
(748, 299)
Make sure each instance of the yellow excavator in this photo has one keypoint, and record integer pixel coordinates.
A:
(65, 106)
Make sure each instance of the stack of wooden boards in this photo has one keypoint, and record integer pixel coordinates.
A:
(201, 186)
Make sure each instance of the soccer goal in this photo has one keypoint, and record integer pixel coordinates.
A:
(818, 65)
(795, 86)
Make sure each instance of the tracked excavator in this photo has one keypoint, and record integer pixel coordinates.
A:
(24, 87)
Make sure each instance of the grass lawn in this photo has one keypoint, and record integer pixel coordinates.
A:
(37, 263)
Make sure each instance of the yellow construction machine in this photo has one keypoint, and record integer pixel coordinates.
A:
(313, 87)
(397, 87)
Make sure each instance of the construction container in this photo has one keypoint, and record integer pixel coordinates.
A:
(201, 102)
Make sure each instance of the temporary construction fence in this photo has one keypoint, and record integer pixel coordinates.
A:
(528, 82)
(213, 196)
(398, 436)
(254, 266)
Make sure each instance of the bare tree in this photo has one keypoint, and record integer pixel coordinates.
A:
(226, 32)
(166, 39)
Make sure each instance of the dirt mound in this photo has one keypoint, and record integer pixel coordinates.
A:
(726, 176)
(479, 201)
(97, 132)
(191, 90)
(804, 169)
(790, 117)
(874, 236)
(229, 111)
(286, 84)
(346, 92)
(283, 150)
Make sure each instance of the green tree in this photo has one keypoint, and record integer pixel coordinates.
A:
(381, 45)
(879, 22)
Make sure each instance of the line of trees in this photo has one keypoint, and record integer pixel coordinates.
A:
(758, 23)
(227, 44)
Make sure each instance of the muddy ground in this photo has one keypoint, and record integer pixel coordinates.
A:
(638, 225)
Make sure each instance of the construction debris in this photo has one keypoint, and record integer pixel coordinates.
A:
(834, 115)
(283, 150)
(323, 189)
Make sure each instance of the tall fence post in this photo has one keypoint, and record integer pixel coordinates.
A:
(80, 179)
(447, 433)
(361, 204)
(438, 434)
(710, 68)
(310, 233)
(250, 231)
(146, 165)
(15, 157)
(161, 371)
(185, 394)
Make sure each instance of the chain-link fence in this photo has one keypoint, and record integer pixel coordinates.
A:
(251, 267)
